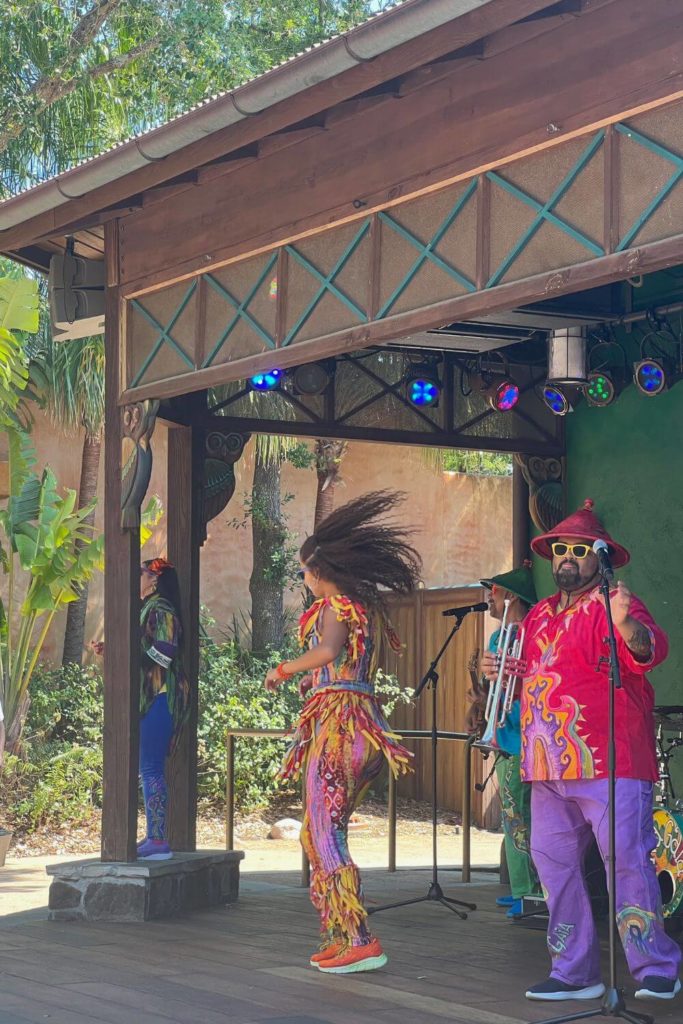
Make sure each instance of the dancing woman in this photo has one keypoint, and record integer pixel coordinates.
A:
(342, 737)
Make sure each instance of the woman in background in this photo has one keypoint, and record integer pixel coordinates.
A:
(164, 695)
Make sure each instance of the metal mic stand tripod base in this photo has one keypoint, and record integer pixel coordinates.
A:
(613, 1004)
(435, 893)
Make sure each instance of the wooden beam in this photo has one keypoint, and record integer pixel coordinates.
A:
(563, 281)
(483, 20)
(595, 71)
(121, 608)
(381, 435)
(185, 465)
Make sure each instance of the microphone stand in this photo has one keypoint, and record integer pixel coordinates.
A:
(613, 1004)
(435, 892)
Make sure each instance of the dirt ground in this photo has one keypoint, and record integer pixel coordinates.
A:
(368, 837)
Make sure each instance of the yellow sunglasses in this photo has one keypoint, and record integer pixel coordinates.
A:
(576, 550)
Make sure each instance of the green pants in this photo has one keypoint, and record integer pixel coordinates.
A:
(515, 796)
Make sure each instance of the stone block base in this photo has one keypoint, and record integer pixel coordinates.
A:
(90, 890)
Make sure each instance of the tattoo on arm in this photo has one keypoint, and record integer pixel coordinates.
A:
(639, 643)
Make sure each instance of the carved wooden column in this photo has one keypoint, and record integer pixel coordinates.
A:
(201, 481)
(184, 498)
(128, 463)
(545, 480)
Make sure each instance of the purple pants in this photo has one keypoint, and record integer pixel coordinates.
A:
(563, 816)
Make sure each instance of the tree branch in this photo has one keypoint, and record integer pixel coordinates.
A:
(52, 88)
(90, 24)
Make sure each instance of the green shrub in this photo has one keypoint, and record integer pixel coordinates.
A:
(57, 777)
(60, 785)
(66, 704)
(232, 695)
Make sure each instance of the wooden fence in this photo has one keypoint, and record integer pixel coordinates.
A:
(419, 622)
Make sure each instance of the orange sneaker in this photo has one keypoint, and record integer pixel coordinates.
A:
(327, 951)
(355, 958)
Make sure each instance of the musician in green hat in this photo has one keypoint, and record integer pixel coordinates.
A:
(516, 587)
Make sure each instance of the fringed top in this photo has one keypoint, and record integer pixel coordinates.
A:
(357, 661)
(342, 698)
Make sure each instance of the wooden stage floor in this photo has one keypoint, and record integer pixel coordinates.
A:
(248, 962)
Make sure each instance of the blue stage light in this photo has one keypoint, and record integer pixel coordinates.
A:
(556, 400)
(423, 392)
(268, 381)
(650, 377)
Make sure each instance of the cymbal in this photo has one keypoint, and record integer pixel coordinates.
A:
(669, 716)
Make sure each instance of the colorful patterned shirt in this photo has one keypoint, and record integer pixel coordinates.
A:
(564, 703)
(160, 665)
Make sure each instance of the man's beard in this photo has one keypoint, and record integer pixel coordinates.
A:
(568, 577)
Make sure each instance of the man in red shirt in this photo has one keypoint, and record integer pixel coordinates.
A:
(564, 725)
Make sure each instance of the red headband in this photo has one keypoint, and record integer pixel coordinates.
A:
(157, 566)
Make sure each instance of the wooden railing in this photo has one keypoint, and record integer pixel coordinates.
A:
(411, 734)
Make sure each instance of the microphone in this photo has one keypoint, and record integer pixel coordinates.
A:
(461, 612)
(601, 549)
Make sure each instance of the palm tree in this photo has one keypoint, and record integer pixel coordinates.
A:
(75, 401)
(328, 459)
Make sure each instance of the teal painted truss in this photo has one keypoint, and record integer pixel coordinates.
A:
(165, 336)
(427, 253)
(241, 310)
(327, 283)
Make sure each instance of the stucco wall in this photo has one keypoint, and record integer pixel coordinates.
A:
(463, 523)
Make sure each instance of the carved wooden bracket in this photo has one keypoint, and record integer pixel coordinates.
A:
(137, 427)
(546, 480)
(222, 450)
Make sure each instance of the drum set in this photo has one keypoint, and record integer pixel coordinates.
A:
(668, 813)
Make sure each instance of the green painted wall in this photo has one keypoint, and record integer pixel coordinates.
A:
(629, 459)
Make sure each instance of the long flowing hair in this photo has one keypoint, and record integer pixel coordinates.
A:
(360, 554)
(168, 587)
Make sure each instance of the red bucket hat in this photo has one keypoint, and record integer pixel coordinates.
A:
(584, 525)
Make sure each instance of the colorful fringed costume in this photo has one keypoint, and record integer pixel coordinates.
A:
(340, 743)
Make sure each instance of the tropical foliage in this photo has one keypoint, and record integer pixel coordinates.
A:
(18, 312)
(48, 553)
(78, 77)
(74, 395)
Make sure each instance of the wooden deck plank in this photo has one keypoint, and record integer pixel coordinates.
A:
(247, 964)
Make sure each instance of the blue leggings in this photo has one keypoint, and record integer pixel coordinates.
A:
(156, 732)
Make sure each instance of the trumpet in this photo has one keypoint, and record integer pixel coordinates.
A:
(501, 694)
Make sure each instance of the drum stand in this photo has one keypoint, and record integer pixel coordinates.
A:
(435, 893)
(613, 1004)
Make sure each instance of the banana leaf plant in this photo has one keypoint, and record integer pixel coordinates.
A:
(19, 302)
(48, 551)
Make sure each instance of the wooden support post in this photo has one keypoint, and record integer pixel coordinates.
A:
(392, 821)
(467, 814)
(520, 517)
(185, 474)
(121, 603)
(230, 793)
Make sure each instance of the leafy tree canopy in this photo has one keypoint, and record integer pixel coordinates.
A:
(77, 76)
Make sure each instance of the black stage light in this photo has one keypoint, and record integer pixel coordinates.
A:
(312, 378)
